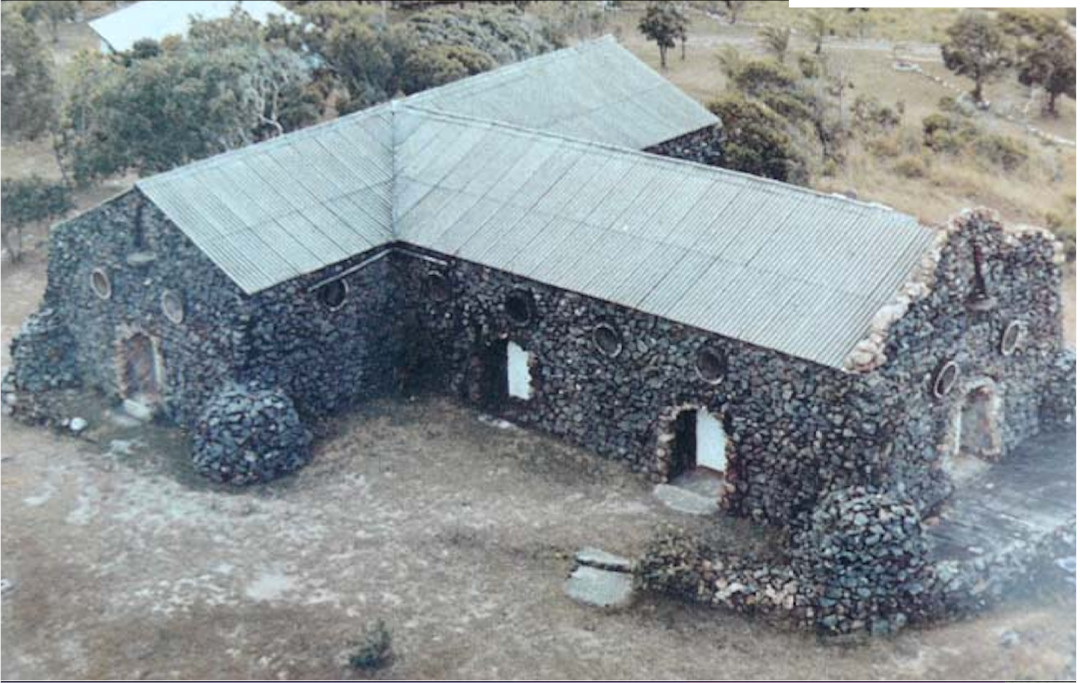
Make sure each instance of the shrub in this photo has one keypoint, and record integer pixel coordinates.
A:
(910, 167)
(440, 64)
(755, 140)
(1000, 150)
(950, 134)
(28, 201)
(809, 67)
(375, 649)
(871, 115)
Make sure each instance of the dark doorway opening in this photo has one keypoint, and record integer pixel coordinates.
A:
(490, 387)
(141, 381)
(684, 449)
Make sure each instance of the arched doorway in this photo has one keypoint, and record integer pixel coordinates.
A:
(140, 372)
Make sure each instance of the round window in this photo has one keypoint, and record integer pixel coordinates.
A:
(519, 307)
(710, 366)
(607, 340)
(332, 294)
(99, 282)
(1013, 337)
(945, 379)
(438, 286)
(172, 306)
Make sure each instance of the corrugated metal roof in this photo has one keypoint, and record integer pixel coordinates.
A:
(596, 90)
(293, 205)
(760, 261)
(766, 263)
(156, 19)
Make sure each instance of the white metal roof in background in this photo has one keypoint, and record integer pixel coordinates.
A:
(156, 19)
(596, 90)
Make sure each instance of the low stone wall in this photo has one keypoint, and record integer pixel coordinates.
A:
(861, 568)
(43, 353)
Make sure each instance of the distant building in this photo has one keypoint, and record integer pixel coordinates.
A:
(155, 19)
(502, 239)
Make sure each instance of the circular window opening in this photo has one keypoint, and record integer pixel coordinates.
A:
(99, 282)
(945, 379)
(607, 340)
(519, 307)
(172, 306)
(332, 294)
(438, 286)
(1013, 337)
(710, 366)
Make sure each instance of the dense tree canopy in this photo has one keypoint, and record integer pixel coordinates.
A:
(976, 48)
(663, 23)
(1045, 54)
(27, 90)
(26, 201)
(755, 141)
(220, 89)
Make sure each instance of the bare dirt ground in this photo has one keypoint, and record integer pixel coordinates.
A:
(458, 533)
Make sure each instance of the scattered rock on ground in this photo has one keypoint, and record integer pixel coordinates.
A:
(600, 588)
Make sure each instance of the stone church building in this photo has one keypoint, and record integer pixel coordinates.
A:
(511, 240)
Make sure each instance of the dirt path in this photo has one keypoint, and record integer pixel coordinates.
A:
(454, 531)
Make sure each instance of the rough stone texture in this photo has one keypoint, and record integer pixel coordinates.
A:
(795, 430)
(1022, 274)
(249, 434)
(792, 429)
(1059, 392)
(867, 559)
(867, 566)
(705, 146)
(43, 353)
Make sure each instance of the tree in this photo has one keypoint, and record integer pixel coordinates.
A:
(28, 201)
(663, 23)
(976, 48)
(216, 91)
(54, 12)
(776, 40)
(433, 66)
(820, 25)
(734, 7)
(754, 140)
(1045, 55)
(28, 90)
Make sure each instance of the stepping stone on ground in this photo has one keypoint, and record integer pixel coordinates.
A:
(601, 559)
(600, 588)
(137, 410)
(682, 500)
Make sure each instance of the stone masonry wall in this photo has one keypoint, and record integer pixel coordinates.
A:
(790, 427)
(282, 337)
(705, 146)
(1022, 275)
(143, 255)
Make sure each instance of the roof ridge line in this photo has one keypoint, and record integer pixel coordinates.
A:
(511, 67)
(658, 158)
